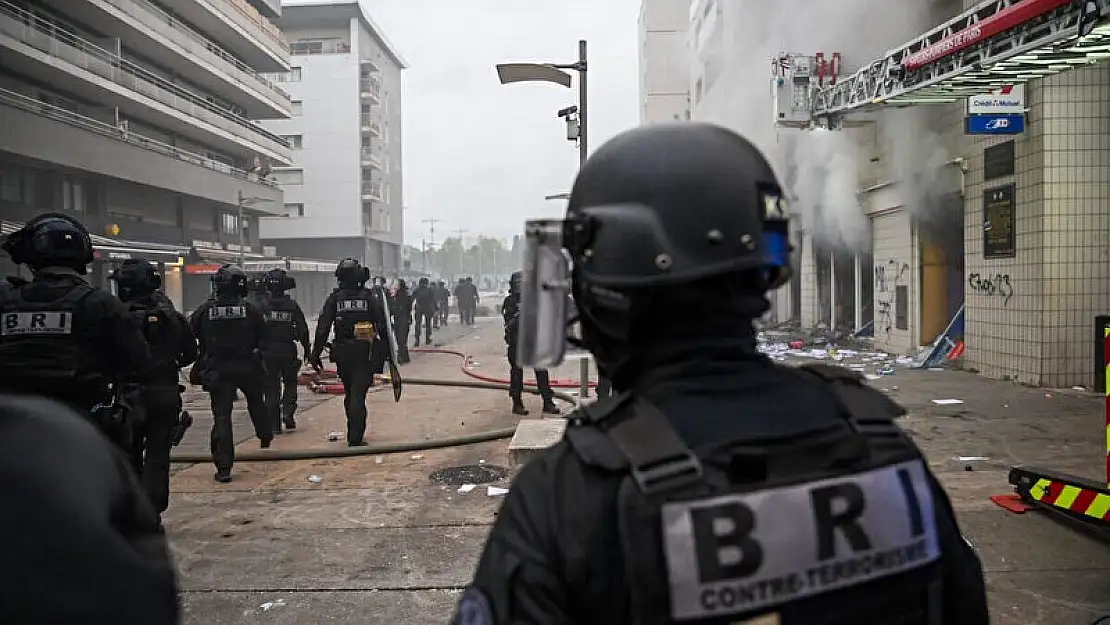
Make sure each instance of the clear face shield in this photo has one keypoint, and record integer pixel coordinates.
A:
(544, 295)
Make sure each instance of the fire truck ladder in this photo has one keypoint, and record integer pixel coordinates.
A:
(996, 43)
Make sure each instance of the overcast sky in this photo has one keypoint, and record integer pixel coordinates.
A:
(481, 156)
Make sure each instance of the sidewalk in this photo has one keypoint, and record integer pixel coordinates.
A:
(375, 540)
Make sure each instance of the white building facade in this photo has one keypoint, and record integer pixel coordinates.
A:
(664, 61)
(136, 117)
(1000, 243)
(343, 192)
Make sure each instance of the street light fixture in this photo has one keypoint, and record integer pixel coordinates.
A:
(246, 201)
(577, 126)
(557, 196)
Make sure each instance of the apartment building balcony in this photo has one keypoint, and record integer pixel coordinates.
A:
(34, 47)
(373, 191)
(371, 127)
(371, 159)
(91, 140)
(375, 218)
(370, 88)
(241, 29)
(167, 41)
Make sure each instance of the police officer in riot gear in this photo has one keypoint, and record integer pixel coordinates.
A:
(714, 486)
(360, 320)
(424, 305)
(63, 339)
(172, 346)
(401, 304)
(285, 326)
(232, 334)
(510, 312)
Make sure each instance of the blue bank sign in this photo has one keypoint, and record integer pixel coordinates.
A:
(1011, 124)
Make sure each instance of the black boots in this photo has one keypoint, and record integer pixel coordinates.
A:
(518, 407)
(549, 407)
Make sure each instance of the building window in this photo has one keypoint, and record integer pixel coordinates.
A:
(297, 108)
(289, 176)
(73, 195)
(228, 223)
(295, 142)
(293, 75)
(294, 210)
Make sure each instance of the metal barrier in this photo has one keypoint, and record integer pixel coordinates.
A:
(116, 133)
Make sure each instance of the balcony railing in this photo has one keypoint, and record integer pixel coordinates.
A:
(155, 18)
(371, 126)
(372, 189)
(246, 10)
(371, 86)
(305, 48)
(62, 44)
(368, 156)
(117, 133)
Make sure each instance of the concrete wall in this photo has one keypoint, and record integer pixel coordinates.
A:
(895, 272)
(1039, 329)
(664, 60)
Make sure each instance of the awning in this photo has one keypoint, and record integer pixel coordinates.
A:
(108, 249)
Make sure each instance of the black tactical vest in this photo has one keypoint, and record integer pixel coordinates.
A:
(39, 341)
(279, 313)
(835, 527)
(353, 309)
(227, 332)
(158, 325)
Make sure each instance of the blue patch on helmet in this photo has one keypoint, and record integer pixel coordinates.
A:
(776, 249)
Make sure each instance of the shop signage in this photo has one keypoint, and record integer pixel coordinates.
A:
(207, 245)
(202, 270)
(999, 239)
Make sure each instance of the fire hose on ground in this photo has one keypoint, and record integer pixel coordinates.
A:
(328, 382)
(323, 383)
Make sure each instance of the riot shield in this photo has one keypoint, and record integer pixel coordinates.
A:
(394, 372)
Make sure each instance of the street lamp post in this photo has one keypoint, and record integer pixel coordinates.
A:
(553, 73)
(241, 202)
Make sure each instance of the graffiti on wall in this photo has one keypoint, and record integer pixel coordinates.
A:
(998, 285)
(888, 277)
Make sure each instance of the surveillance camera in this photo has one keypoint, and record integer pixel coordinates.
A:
(570, 110)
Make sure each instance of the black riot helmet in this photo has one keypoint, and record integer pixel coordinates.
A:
(422, 282)
(351, 274)
(277, 281)
(51, 240)
(136, 278)
(230, 281)
(661, 214)
(514, 282)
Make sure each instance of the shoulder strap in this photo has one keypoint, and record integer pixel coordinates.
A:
(868, 411)
(658, 459)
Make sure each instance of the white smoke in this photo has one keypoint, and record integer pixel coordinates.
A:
(823, 169)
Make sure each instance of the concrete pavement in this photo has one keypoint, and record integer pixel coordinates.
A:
(378, 540)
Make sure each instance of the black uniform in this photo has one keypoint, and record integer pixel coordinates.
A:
(360, 321)
(81, 543)
(402, 303)
(172, 347)
(443, 302)
(231, 333)
(715, 487)
(510, 312)
(285, 327)
(424, 299)
(63, 339)
(462, 297)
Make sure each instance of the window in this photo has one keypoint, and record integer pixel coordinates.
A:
(228, 223)
(295, 141)
(365, 141)
(293, 75)
(289, 176)
(17, 184)
(294, 210)
(73, 195)
(297, 108)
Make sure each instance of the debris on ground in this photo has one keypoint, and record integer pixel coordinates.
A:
(334, 436)
(494, 491)
(466, 488)
(947, 402)
(315, 479)
(269, 605)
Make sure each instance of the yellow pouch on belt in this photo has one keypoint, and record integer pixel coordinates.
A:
(364, 331)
